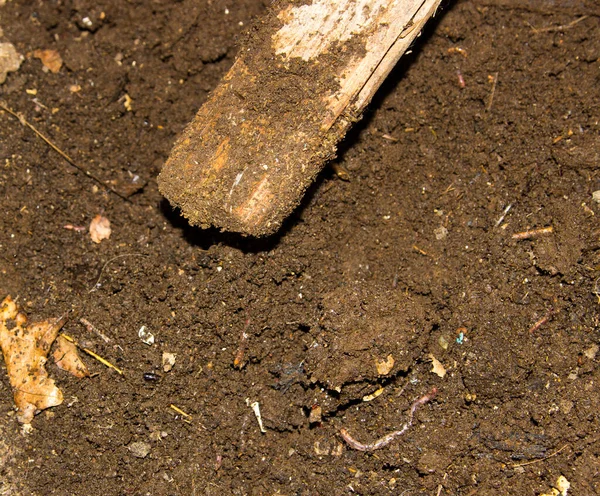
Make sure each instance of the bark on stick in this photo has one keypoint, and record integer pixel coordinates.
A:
(303, 77)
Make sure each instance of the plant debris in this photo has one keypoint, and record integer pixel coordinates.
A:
(533, 233)
(168, 360)
(45, 139)
(50, 58)
(100, 228)
(385, 366)
(437, 367)
(103, 361)
(25, 348)
(316, 415)
(256, 409)
(375, 394)
(186, 417)
(66, 357)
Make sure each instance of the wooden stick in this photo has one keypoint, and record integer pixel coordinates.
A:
(299, 82)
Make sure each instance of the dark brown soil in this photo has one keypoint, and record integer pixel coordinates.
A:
(413, 252)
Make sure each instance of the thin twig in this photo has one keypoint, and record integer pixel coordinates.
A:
(488, 107)
(103, 361)
(92, 328)
(540, 459)
(186, 417)
(47, 140)
(180, 411)
(112, 260)
(387, 439)
(422, 252)
(506, 210)
(238, 361)
(596, 290)
(562, 27)
(533, 233)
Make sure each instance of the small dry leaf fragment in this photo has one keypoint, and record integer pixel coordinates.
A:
(25, 348)
(100, 228)
(321, 450)
(10, 60)
(438, 369)
(168, 360)
(316, 415)
(66, 357)
(50, 58)
(385, 366)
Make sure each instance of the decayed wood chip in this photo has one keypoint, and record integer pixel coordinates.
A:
(25, 348)
(66, 357)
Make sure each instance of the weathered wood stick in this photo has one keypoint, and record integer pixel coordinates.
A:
(299, 82)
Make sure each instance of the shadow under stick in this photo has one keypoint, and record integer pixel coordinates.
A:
(299, 82)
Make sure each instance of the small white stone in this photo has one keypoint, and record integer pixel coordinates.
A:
(10, 60)
(139, 449)
(592, 351)
(563, 485)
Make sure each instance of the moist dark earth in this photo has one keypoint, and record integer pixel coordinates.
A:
(404, 247)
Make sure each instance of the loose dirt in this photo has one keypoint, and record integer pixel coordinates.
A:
(489, 128)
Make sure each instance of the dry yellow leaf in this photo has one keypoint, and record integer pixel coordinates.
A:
(25, 348)
(66, 357)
